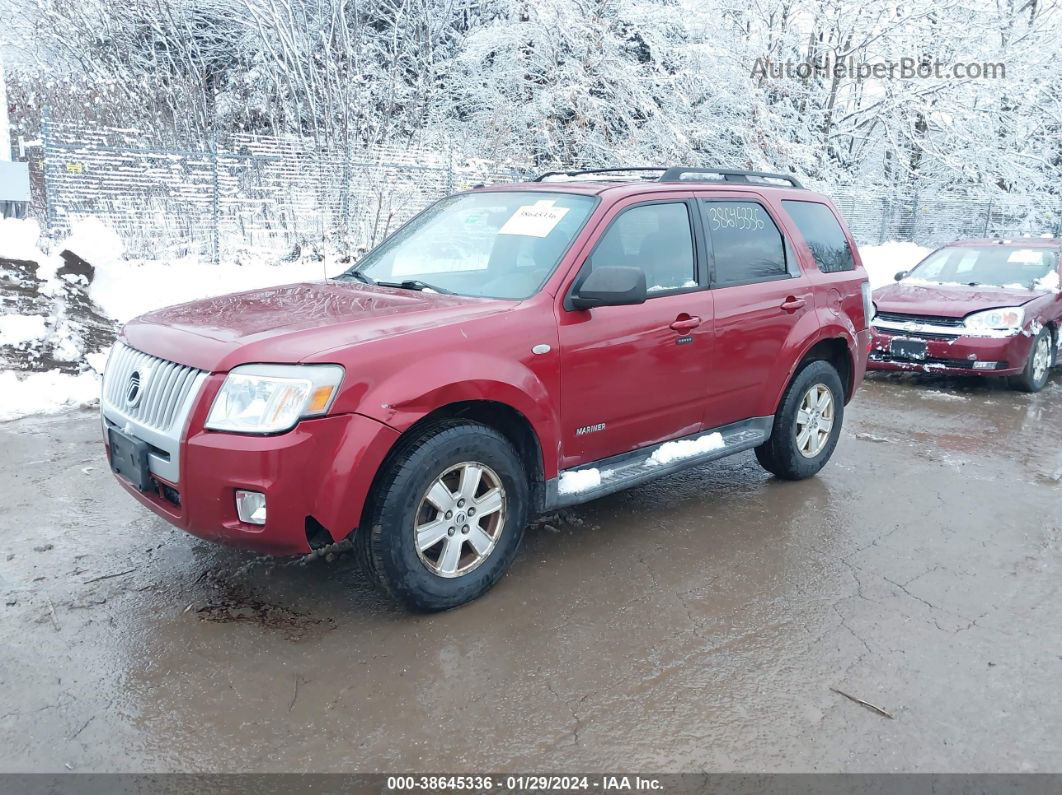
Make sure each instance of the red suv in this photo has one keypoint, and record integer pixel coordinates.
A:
(977, 307)
(510, 350)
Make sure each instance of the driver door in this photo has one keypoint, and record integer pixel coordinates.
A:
(632, 376)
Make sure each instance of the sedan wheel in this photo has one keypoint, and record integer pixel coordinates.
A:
(1042, 357)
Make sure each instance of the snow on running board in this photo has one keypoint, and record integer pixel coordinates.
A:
(686, 448)
(579, 480)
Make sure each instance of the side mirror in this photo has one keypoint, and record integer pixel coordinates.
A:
(612, 285)
(900, 275)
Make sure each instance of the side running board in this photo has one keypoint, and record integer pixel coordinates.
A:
(609, 475)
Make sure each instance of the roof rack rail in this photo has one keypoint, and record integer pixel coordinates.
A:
(581, 172)
(728, 175)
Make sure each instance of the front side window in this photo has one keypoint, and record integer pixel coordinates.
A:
(655, 238)
(496, 244)
(746, 244)
(823, 235)
(994, 266)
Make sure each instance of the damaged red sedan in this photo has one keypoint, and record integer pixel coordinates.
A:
(977, 307)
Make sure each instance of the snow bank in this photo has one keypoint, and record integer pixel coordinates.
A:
(93, 241)
(685, 448)
(122, 289)
(20, 329)
(883, 262)
(18, 239)
(45, 393)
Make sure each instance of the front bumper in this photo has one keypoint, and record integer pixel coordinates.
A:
(322, 470)
(954, 356)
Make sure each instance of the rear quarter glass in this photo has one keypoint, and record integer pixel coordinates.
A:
(823, 235)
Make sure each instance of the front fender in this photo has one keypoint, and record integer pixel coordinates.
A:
(410, 394)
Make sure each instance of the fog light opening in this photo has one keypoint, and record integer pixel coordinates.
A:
(251, 506)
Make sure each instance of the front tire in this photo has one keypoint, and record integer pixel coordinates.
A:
(1038, 366)
(807, 424)
(447, 516)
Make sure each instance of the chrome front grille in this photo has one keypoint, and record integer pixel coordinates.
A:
(147, 389)
(150, 398)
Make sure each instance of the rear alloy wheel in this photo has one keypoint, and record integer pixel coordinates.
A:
(1038, 366)
(814, 421)
(807, 424)
(447, 515)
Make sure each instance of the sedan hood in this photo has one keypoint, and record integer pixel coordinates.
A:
(289, 323)
(948, 300)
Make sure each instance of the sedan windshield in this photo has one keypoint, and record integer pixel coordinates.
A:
(994, 266)
(497, 244)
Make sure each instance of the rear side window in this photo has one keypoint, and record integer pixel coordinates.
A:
(746, 244)
(655, 238)
(823, 234)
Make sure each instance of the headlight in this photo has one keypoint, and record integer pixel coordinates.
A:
(270, 398)
(1009, 318)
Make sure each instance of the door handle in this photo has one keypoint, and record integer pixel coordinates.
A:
(792, 304)
(686, 324)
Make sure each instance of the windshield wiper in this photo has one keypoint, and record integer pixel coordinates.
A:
(417, 284)
(361, 277)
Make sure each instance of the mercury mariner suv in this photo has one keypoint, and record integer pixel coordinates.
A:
(510, 350)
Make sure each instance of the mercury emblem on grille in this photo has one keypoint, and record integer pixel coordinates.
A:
(135, 388)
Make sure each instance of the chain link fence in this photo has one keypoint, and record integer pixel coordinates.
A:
(245, 193)
(266, 196)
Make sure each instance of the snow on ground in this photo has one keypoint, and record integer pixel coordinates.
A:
(45, 393)
(123, 289)
(18, 239)
(685, 448)
(20, 329)
(883, 262)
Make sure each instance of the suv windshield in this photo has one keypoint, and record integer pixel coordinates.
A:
(497, 244)
(995, 266)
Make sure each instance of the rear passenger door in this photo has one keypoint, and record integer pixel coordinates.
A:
(760, 295)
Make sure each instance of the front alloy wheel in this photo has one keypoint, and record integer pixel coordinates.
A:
(446, 515)
(460, 519)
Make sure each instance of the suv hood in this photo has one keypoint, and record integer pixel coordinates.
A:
(289, 323)
(948, 300)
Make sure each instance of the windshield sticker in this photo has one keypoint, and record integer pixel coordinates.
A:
(1024, 255)
(534, 220)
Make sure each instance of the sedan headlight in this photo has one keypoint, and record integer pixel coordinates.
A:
(1008, 318)
(869, 307)
(271, 398)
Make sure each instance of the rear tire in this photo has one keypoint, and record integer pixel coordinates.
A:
(415, 502)
(801, 443)
(1038, 366)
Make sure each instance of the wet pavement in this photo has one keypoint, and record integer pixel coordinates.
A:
(702, 622)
